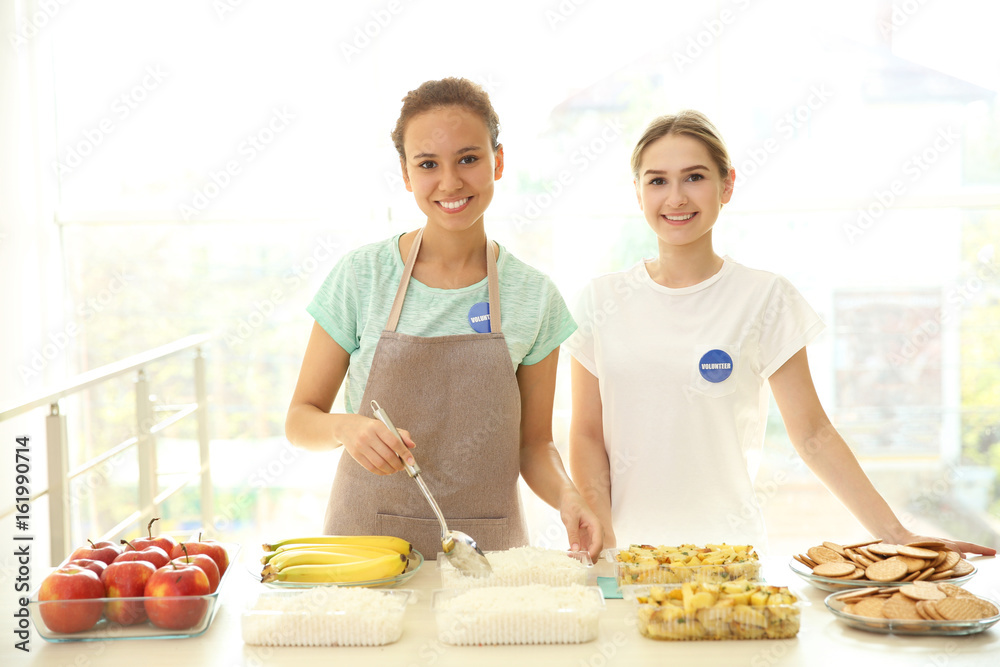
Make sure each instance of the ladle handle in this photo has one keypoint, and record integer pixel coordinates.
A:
(413, 471)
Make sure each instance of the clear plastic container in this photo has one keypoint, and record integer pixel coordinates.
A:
(523, 566)
(325, 616)
(646, 568)
(535, 614)
(204, 606)
(662, 614)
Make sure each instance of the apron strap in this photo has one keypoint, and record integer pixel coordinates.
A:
(494, 282)
(404, 282)
(492, 277)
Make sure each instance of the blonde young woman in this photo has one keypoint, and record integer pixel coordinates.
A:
(672, 363)
(456, 339)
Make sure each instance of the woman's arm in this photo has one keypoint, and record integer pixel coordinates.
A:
(828, 456)
(588, 457)
(541, 465)
(310, 425)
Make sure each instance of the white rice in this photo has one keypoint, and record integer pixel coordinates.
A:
(325, 616)
(519, 566)
(533, 614)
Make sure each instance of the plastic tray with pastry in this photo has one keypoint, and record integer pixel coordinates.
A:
(920, 608)
(833, 567)
(645, 564)
(728, 610)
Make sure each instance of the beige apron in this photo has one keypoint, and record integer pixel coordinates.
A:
(459, 399)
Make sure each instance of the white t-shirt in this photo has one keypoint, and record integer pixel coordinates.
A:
(682, 375)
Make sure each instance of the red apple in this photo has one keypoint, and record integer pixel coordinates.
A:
(154, 555)
(205, 562)
(210, 547)
(105, 551)
(165, 542)
(175, 596)
(62, 596)
(95, 566)
(126, 579)
(221, 556)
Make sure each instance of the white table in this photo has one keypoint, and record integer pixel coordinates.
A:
(822, 640)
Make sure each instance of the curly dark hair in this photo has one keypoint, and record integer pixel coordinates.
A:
(447, 92)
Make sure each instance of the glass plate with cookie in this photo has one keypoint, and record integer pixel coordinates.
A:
(872, 563)
(920, 608)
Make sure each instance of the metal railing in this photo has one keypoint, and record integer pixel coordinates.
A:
(57, 447)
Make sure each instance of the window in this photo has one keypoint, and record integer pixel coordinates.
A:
(207, 164)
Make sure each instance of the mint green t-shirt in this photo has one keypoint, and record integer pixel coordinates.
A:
(353, 304)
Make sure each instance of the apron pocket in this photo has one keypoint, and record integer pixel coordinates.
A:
(425, 534)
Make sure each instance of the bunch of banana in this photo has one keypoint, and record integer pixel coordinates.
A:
(334, 559)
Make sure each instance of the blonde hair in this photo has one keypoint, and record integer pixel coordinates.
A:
(688, 122)
(449, 92)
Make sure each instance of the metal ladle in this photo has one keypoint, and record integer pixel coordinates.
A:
(461, 549)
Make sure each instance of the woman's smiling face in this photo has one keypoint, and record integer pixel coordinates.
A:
(450, 166)
(680, 189)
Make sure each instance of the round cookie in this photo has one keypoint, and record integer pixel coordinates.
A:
(962, 609)
(833, 569)
(886, 570)
(901, 607)
(922, 592)
(963, 567)
(870, 607)
(824, 555)
(833, 546)
(951, 560)
(885, 550)
(916, 552)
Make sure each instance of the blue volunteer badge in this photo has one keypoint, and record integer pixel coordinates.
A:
(479, 317)
(715, 366)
